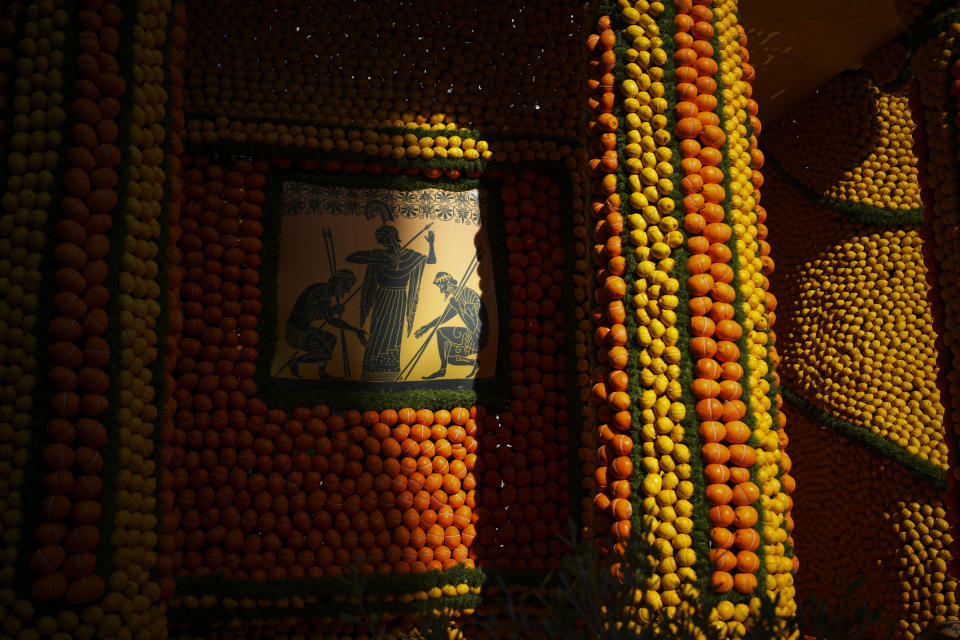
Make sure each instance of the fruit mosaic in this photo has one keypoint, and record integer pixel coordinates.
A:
(150, 486)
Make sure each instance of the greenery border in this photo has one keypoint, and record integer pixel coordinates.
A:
(750, 418)
(691, 431)
(493, 394)
(853, 211)
(868, 439)
(420, 131)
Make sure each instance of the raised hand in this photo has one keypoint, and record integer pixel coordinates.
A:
(431, 236)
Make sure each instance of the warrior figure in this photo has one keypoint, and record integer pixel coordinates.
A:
(459, 345)
(314, 344)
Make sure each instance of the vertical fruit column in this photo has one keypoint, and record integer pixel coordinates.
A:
(34, 113)
(611, 463)
(654, 239)
(699, 391)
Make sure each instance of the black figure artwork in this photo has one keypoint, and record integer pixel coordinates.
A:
(391, 287)
(316, 302)
(458, 345)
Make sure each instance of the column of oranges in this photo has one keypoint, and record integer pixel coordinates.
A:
(65, 559)
(133, 604)
(36, 115)
(611, 466)
(753, 264)
(714, 326)
(666, 486)
(524, 446)
(175, 274)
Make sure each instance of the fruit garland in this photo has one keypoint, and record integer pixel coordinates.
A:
(134, 602)
(611, 465)
(33, 117)
(715, 324)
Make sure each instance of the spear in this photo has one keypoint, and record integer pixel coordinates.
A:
(332, 257)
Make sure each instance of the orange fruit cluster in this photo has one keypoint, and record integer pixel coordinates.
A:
(255, 492)
(713, 328)
(612, 463)
(65, 561)
(325, 64)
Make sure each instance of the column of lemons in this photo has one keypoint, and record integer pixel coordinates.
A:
(754, 264)
(132, 606)
(652, 229)
(36, 116)
(438, 140)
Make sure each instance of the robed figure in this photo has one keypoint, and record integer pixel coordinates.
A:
(391, 287)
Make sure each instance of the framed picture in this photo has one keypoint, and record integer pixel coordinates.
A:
(386, 285)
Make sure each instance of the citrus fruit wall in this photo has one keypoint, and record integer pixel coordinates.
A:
(157, 481)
